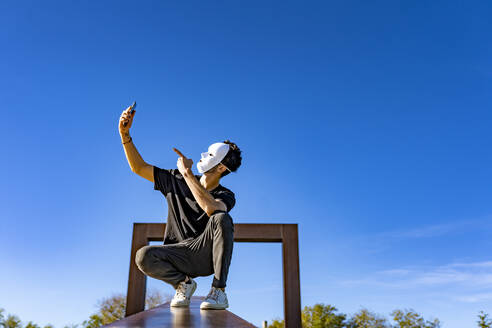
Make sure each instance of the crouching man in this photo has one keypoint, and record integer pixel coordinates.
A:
(198, 240)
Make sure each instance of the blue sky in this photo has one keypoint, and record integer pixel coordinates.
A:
(367, 123)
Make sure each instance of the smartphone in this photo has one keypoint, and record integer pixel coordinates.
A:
(131, 111)
(133, 107)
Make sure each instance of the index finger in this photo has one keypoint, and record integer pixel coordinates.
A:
(178, 152)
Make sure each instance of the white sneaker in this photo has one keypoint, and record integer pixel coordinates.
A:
(216, 299)
(184, 293)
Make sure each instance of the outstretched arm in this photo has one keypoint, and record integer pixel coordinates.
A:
(136, 162)
(205, 200)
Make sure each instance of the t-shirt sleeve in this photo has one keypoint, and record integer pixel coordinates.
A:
(163, 179)
(227, 197)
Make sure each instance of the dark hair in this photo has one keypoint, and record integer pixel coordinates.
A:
(233, 158)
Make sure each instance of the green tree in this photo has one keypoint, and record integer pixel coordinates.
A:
(410, 319)
(112, 308)
(322, 316)
(30, 324)
(317, 316)
(484, 321)
(94, 321)
(12, 321)
(366, 319)
(277, 323)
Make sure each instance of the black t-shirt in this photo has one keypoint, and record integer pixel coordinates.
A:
(185, 219)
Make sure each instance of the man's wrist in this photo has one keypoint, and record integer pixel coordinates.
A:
(125, 137)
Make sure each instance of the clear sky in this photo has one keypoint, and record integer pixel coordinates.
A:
(368, 123)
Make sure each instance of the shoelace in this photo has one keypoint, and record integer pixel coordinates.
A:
(181, 290)
(213, 294)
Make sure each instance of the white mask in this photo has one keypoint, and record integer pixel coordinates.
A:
(216, 153)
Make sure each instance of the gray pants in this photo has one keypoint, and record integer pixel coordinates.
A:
(209, 253)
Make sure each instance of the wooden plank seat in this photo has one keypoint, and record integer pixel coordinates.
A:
(164, 316)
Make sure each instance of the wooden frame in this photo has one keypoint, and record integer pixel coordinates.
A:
(287, 234)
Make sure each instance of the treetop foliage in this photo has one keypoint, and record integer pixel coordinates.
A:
(325, 316)
(320, 315)
(109, 310)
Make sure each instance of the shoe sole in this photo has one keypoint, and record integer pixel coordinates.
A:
(188, 303)
(213, 307)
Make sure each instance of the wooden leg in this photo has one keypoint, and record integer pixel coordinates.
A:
(292, 288)
(137, 281)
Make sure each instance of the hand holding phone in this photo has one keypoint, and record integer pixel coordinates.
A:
(132, 110)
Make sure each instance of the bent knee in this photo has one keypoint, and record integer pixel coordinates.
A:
(143, 257)
(223, 219)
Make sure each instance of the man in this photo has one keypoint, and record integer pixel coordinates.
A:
(198, 240)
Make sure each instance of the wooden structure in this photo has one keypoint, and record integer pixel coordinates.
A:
(164, 316)
(287, 234)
